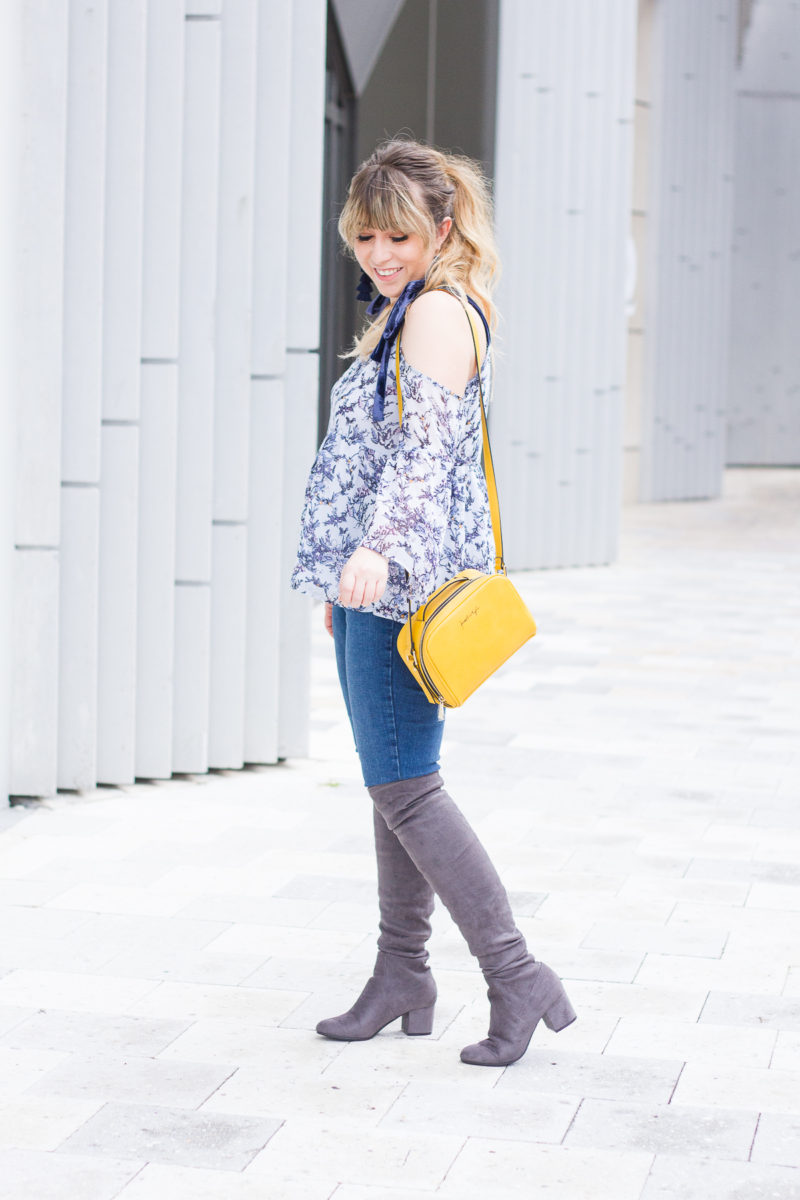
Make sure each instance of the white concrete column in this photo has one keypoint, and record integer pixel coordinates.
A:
(764, 419)
(563, 179)
(38, 281)
(304, 237)
(10, 121)
(686, 301)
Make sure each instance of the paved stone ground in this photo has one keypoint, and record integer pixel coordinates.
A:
(166, 949)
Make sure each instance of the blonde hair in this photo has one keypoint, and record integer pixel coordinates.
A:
(406, 187)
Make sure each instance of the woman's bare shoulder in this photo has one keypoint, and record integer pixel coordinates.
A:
(437, 339)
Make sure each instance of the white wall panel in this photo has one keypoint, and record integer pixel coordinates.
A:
(81, 399)
(234, 261)
(305, 173)
(162, 180)
(271, 204)
(34, 711)
(38, 272)
(299, 426)
(116, 625)
(565, 80)
(155, 570)
(190, 681)
(122, 298)
(198, 291)
(10, 130)
(228, 647)
(263, 570)
(764, 419)
(77, 636)
(687, 306)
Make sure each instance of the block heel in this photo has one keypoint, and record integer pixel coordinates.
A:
(418, 1022)
(560, 1015)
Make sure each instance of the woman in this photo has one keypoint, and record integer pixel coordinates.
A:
(391, 512)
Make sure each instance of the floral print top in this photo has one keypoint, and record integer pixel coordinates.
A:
(415, 493)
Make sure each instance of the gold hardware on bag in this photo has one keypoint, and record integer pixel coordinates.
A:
(474, 622)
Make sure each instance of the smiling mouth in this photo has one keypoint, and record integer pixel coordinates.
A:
(387, 274)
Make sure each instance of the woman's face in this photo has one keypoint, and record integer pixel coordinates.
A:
(393, 259)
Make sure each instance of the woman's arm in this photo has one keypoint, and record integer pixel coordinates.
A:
(437, 340)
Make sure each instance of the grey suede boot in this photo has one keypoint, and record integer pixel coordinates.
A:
(446, 850)
(401, 984)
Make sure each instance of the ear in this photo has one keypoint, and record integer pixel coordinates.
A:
(442, 232)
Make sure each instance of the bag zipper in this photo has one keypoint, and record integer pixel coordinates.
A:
(418, 650)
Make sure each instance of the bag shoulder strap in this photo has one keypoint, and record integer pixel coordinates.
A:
(488, 463)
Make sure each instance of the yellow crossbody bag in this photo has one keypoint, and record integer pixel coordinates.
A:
(473, 623)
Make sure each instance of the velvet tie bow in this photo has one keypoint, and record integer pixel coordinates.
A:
(382, 352)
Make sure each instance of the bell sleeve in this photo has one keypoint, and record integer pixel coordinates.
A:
(414, 496)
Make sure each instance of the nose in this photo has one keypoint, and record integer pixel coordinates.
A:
(382, 249)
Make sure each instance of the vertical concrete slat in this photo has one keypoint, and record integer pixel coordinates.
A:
(161, 242)
(119, 503)
(565, 78)
(38, 283)
(267, 391)
(82, 395)
(263, 570)
(122, 309)
(232, 383)
(302, 333)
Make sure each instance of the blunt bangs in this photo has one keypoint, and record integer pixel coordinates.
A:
(380, 198)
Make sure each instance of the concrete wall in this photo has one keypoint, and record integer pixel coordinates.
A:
(764, 419)
(171, 153)
(685, 212)
(563, 186)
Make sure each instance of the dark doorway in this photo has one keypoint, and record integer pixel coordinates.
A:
(338, 313)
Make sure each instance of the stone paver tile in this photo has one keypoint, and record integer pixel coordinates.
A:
(40, 1175)
(189, 1001)
(694, 1042)
(778, 1140)
(183, 966)
(158, 1181)
(94, 1034)
(458, 1107)
(118, 898)
(761, 970)
(747, 871)
(172, 1135)
(395, 1060)
(691, 1132)
(744, 1008)
(373, 1157)
(20, 924)
(786, 1056)
(752, 1088)
(580, 963)
(635, 1000)
(227, 1040)
(282, 942)
(149, 1080)
(487, 1167)
(611, 1076)
(784, 897)
(262, 1092)
(653, 937)
(254, 910)
(65, 990)
(23, 1067)
(11, 1017)
(33, 1123)
(703, 1178)
(354, 1191)
(328, 887)
(792, 987)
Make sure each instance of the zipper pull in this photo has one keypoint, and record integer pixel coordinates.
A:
(440, 711)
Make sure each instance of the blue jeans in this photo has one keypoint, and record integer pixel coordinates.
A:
(397, 731)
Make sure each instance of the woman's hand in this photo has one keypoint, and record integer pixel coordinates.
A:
(329, 617)
(363, 578)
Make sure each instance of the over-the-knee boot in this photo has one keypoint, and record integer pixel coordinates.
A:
(447, 851)
(401, 984)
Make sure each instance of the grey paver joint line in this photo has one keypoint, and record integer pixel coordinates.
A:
(677, 1081)
(572, 1121)
(755, 1135)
